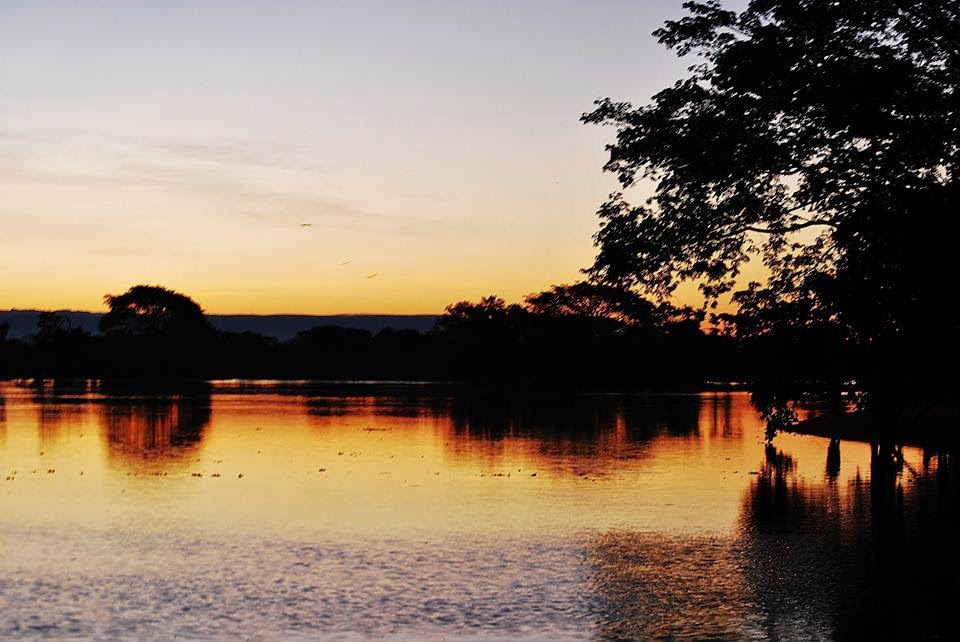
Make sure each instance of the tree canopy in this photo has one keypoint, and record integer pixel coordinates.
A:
(601, 301)
(818, 136)
(611, 306)
(150, 310)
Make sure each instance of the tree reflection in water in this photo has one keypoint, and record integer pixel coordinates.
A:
(61, 407)
(874, 560)
(152, 423)
(794, 551)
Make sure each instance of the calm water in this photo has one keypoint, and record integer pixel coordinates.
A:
(409, 512)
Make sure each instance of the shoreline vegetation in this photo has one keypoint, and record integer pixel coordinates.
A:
(581, 334)
(581, 337)
(930, 425)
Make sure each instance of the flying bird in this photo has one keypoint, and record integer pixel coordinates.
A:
(370, 276)
(306, 225)
(346, 262)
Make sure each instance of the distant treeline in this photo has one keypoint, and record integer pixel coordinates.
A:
(581, 334)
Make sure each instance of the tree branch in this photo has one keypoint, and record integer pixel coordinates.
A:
(786, 229)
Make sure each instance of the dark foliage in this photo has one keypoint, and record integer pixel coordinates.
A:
(153, 311)
(823, 138)
(580, 334)
(150, 331)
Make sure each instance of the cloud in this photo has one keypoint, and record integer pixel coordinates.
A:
(263, 182)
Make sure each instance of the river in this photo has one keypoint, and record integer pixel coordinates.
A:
(266, 510)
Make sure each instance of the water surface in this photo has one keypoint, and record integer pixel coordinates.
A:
(266, 511)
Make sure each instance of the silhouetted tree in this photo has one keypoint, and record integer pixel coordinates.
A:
(483, 338)
(584, 333)
(60, 348)
(490, 316)
(51, 326)
(819, 136)
(149, 310)
(11, 354)
(601, 301)
(154, 332)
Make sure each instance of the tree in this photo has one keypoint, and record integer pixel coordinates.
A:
(491, 316)
(601, 301)
(153, 332)
(818, 136)
(60, 348)
(153, 311)
(51, 325)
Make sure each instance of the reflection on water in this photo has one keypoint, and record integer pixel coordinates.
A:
(144, 426)
(265, 511)
(879, 548)
(651, 585)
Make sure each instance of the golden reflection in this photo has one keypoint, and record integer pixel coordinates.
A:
(3, 418)
(60, 410)
(423, 458)
(406, 459)
(679, 520)
(148, 426)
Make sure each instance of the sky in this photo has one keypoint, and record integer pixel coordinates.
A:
(271, 157)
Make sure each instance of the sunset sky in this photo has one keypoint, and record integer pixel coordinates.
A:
(268, 156)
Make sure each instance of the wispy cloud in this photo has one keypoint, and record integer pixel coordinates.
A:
(265, 182)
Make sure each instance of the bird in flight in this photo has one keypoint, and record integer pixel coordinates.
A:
(370, 276)
(346, 262)
(306, 225)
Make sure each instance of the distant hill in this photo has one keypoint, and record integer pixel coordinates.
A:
(285, 326)
(282, 326)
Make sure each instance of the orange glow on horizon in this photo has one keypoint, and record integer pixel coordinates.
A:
(353, 294)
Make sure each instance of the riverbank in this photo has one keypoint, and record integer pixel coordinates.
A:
(929, 425)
